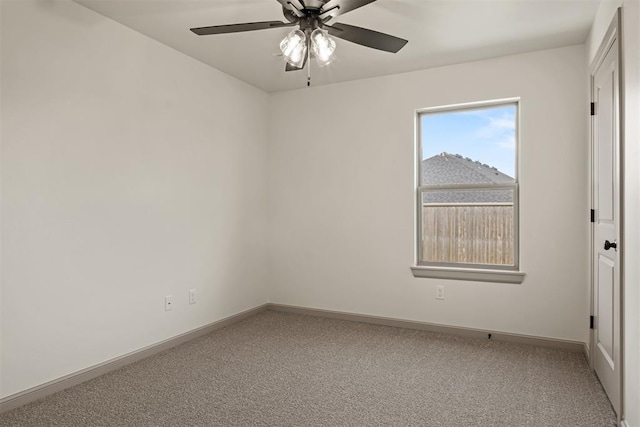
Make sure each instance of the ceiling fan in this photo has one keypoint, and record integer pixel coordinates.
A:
(311, 38)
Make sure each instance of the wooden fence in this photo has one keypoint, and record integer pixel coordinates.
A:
(478, 234)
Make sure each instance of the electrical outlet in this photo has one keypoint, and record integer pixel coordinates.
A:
(440, 292)
(192, 296)
(168, 303)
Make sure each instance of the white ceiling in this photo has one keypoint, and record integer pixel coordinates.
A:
(440, 32)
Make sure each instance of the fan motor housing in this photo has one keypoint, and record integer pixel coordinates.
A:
(313, 5)
(310, 23)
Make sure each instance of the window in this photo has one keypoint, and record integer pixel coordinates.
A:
(467, 192)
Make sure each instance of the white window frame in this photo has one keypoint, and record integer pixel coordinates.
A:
(466, 271)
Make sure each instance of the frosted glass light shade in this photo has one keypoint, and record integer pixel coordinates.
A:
(323, 47)
(294, 48)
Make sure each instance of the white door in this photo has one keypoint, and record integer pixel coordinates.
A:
(606, 232)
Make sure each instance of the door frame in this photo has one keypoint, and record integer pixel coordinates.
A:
(614, 32)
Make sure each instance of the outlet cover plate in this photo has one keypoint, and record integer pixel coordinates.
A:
(168, 303)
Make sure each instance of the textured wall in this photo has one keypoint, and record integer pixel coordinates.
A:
(129, 172)
(341, 161)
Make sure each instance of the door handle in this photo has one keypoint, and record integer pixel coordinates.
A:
(608, 245)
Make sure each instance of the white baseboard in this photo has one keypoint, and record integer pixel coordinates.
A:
(624, 423)
(573, 346)
(587, 354)
(62, 383)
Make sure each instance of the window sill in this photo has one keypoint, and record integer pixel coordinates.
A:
(473, 274)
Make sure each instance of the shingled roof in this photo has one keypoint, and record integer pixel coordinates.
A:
(447, 168)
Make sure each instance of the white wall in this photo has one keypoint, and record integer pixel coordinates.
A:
(631, 238)
(341, 196)
(0, 201)
(129, 172)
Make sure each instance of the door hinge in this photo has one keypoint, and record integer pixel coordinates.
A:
(593, 215)
(591, 322)
(593, 108)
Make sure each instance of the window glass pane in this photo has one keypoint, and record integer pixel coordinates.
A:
(478, 230)
(468, 186)
(471, 146)
(468, 196)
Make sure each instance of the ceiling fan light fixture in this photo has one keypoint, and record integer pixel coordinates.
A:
(311, 39)
(294, 48)
(323, 47)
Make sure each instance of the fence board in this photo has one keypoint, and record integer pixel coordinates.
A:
(481, 234)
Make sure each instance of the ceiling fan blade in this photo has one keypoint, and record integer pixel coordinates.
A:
(340, 7)
(290, 67)
(237, 28)
(293, 6)
(368, 38)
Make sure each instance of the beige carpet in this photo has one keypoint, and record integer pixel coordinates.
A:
(278, 369)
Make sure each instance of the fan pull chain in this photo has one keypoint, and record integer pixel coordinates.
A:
(308, 64)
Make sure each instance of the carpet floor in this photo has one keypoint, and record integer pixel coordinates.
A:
(277, 369)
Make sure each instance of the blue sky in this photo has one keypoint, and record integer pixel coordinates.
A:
(487, 135)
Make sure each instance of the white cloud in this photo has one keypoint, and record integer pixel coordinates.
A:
(508, 143)
(498, 131)
(496, 127)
